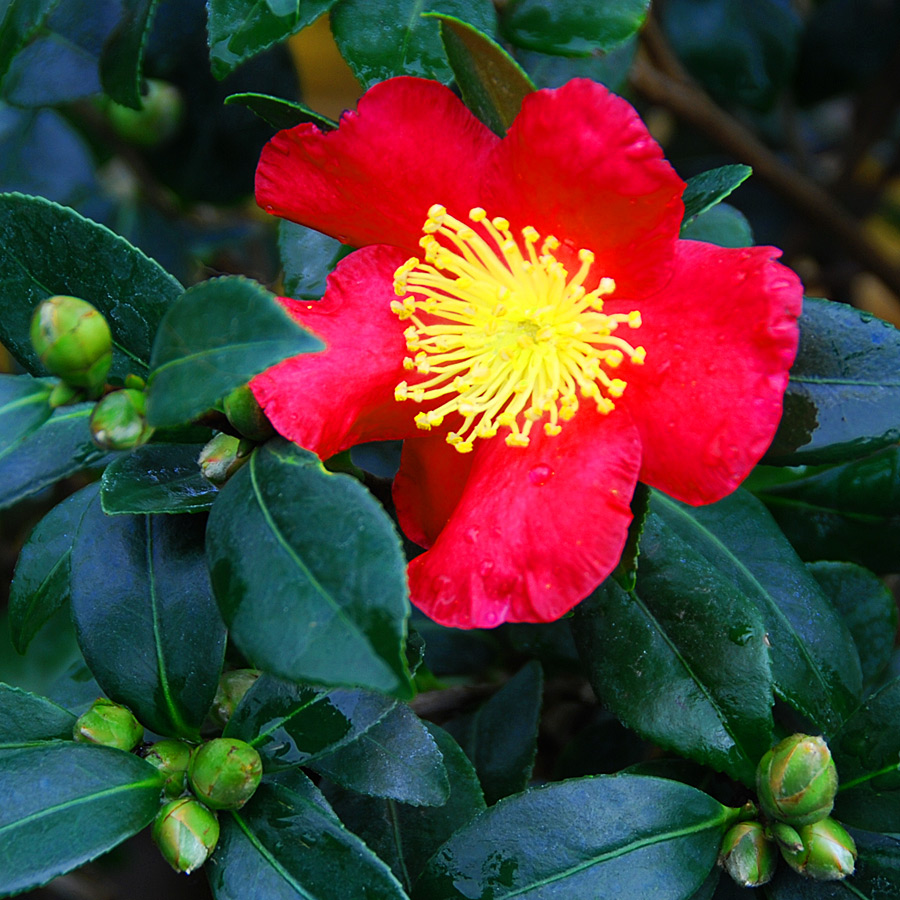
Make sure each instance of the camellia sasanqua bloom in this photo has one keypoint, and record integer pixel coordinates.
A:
(522, 313)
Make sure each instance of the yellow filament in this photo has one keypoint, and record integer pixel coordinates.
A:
(506, 338)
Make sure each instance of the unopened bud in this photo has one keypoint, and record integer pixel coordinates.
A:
(232, 687)
(748, 855)
(186, 833)
(157, 120)
(73, 341)
(247, 415)
(225, 772)
(118, 421)
(796, 780)
(171, 758)
(222, 457)
(828, 852)
(108, 724)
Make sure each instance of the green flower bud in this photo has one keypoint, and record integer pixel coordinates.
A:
(247, 415)
(232, 687)
(828, 852)
(171, 758)
(73, 341)
(158, 119)
(222, 457)
(186, 833)
(108, 724)
(118, 423)
(748, 855)
(796, 780)
(225, 772)
(787, 837)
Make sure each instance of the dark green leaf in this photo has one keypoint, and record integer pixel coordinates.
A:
(19, 21)
(844, 392)
(27, 717)
(24, 408)
(60, 447)
(867, 753)
(500, 737)
(287, 844)
(292, 724)
(704, 191)
(65, 804)
(396, 758)
(682, 660)
(612, 837)
(49, 249)
(307, 257)
(610, 68)
(239, 29)
(157, 478)
(280, 113)
(41, 583)
(868, 608)
(332, 606)
(625, 572)
(406, 836)
(493, 85)
(571, 27)
(393, 37)
(123, 52)
(722, 225)
(145, 617)
(814, 662)
(214, 339)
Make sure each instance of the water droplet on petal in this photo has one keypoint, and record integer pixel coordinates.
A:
(540, 474)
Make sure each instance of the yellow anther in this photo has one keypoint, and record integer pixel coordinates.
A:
(500, 223)
(530, 233)
(607, 286)
(616, 387)
(436, 211)
(615, 358)
(463, 447)
(421, 420)
(551, 430)
(477, 214)
(401, 392)
(517, 439)
(585, 256)
(639, 355)
(409, 364)
(634, 319)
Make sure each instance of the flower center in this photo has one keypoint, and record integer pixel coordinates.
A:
(507, 339)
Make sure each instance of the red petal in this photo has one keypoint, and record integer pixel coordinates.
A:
(332, 400)
(535, 529)
(720, 340)
(411, 144)
(579, 163)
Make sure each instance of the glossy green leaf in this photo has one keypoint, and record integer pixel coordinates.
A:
(145, 617)
(293, 724)
(493, 85)
(332, 608)
(65, 804)
(60, 447)
(867, 753)
(500, 737)
(40, 585)
(392, 37)
(24, 407)
(405, 836)
(704, 191)
(625, 573)
(49, 249)
(307, 257)
(610, 68)
(27, 717)
(849, 512)
(396, 758)
(722, 225)
(689, 628)
(217, 336)
(571, 27)
(157, 478)
(239, 29)
(612, 837)
(868, 608)
(844, 393)
(19, 20)
(287, 844)
(123, 52)
(279, 113)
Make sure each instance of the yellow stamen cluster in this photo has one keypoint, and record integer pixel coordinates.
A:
(507, 338)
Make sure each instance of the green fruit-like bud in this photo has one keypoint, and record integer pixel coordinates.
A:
(171, 758)
(747, 855)
(73, 341)
(108, 724)
(118, 423)
(247, 415)
(828, 852)
(232, 687)
(222, 457)
(157, 120)
(796, 780)
(225, 772)
(787, 837)
(186, 833)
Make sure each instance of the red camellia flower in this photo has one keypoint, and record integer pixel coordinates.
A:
(522, 313)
